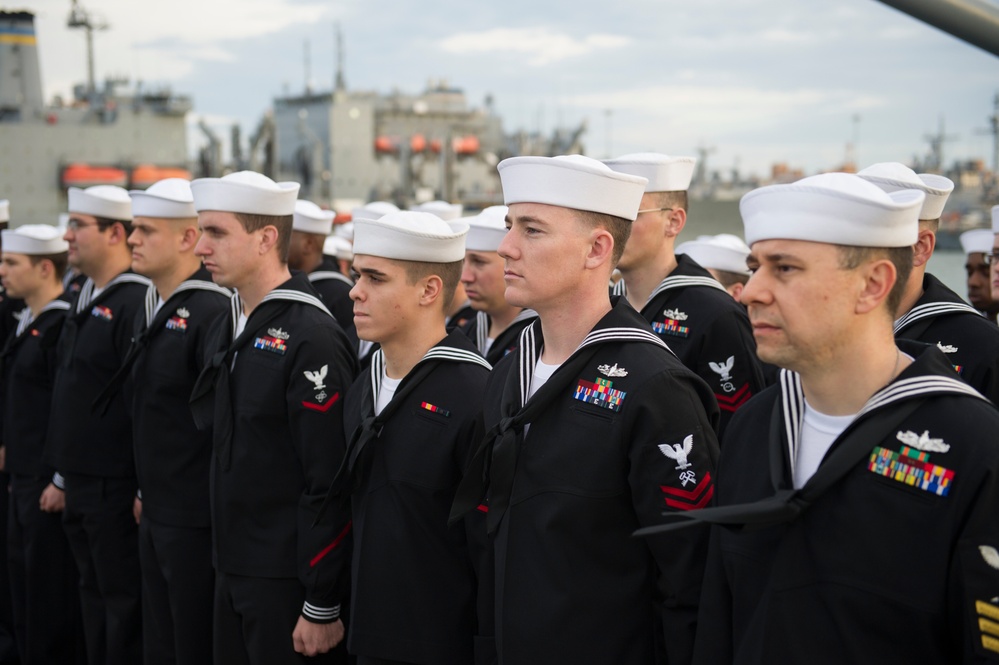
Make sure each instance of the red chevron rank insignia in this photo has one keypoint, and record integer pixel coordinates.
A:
(692, 499)
(734, 401)
(322, 408)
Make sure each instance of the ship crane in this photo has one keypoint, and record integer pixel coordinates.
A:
(81, 18)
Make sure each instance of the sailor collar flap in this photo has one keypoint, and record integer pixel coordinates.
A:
(482, 323)
(86, 297)
(930, 374)
(937, 300)
(686, 274)
(621, 324)
(195, 283)
(445, 351)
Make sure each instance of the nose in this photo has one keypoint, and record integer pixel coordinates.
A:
(467, 277)
(507, 247)
(755, 290)
(355, 292)
(68, 236)
(133, 238)
(201, 249)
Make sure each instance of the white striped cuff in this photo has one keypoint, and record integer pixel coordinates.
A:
(58, 480)
(320, 614)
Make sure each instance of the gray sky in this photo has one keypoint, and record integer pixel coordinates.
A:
(761, 81)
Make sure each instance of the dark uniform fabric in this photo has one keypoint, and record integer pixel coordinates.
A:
(477, 330)
(274, 396)
(42, 573)
(173, 461)
(895, 563)
(413, 577)
(461, 317)
(334, 290)
(709, 332)
(93, 451)
(941, 318)
(618, 435)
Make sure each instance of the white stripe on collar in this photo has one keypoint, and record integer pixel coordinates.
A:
(932, 309)
(87, 291)
(25, 319)
(793, 399)
(481, 331)
(321, 275)
(527, 352)
(152, 296)
(683, 281)
(437, 352)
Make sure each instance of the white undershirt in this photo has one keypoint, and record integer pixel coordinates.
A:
(818, 431)
(96, 292)
(159, 305)
(542, 372)
(489, 343)
(240, 327)
(386, 392)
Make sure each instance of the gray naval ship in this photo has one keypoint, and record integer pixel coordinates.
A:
(110, 134)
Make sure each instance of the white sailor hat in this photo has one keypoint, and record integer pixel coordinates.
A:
(411, 236)
(373, 210)
(486, 230)
(310, 218)
(446, 211)
(977, 240)
(836, 208)
(106, 201)
(170, 198)
(995, 219)
(571, 181)
(721, 252)
(246, 192)
(4, 211)
(664, 173)
(339, 247)
(894, 177)
(33, 239)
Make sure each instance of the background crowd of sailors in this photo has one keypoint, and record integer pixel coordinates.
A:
(540, 434)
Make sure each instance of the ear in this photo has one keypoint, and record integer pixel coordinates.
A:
(879, 278)
(601, 249)
(675, 221)
(735, 290)
(117, 234)
(268, 239)
(923, 249)
(189, 238)
(431, 290)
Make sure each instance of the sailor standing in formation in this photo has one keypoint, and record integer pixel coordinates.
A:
(92, 451)
(687, 307)
(272, 390)
(594, 428)
(172, 457)
(870, 463)
(472, 515)
(43, 576)
(930, 312)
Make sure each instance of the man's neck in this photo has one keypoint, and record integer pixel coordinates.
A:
(401, 355)
(501, 318)
(167, 284)
(42, 297)
(643, 280)
(565, 327)
(261, 283)
(311, 264)
(113, 266)
(843, 385)
(913, 291)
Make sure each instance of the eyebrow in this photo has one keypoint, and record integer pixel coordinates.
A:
(369, 271)
(526, 219)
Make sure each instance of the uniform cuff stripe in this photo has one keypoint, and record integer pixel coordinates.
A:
(310, 611)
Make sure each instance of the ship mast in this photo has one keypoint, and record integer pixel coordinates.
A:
(81, 18)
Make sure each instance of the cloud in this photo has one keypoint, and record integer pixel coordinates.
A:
(542, 46)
